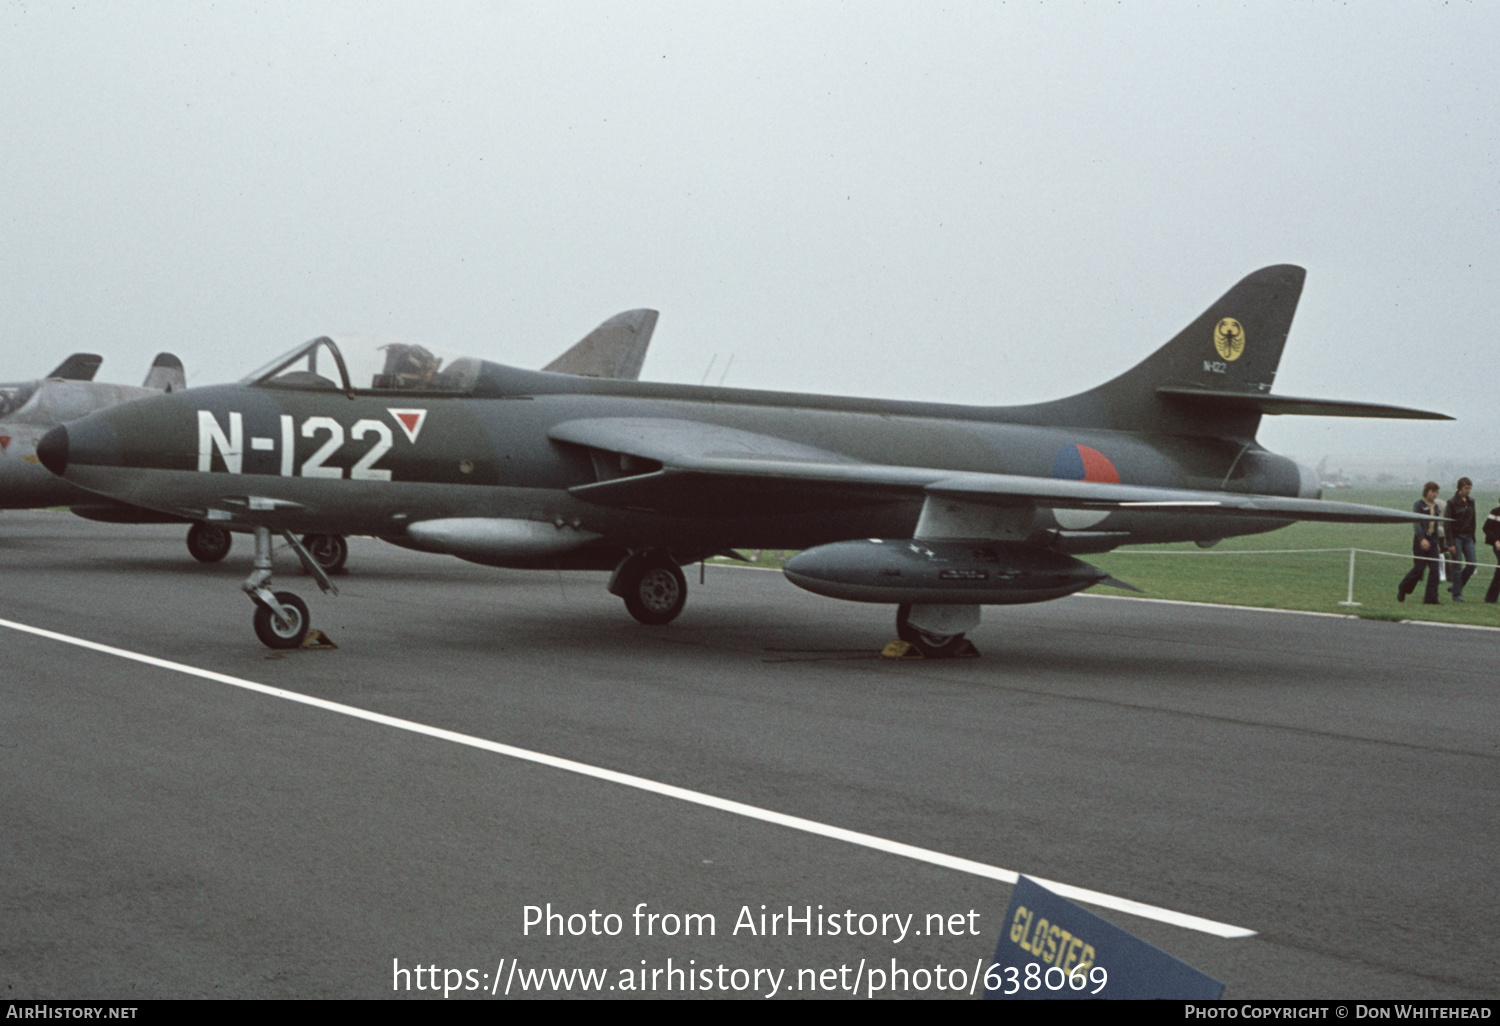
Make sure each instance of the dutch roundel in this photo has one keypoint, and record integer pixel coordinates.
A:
(1081, 463)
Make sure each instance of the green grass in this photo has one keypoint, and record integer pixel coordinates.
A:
(1316, 581)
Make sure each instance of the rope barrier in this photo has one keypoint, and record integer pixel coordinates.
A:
(1264, 552)
(1230, 552)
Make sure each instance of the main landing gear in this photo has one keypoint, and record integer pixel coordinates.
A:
(926, 640)
(281, 618)
(208, 543)
(330, 550)
(652, 586)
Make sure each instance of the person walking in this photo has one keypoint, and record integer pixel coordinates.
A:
(1426, 547)
(1464, 561)
(1492, 539)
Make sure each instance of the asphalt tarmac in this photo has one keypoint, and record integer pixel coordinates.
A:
(1328, 783)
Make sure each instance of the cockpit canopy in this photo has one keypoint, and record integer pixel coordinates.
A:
(15, 396)
(360, 364)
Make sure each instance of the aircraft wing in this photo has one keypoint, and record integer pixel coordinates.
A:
(689, 468)
(703, 469)
(1005, 490)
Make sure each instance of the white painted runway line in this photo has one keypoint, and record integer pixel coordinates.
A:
(927, 855)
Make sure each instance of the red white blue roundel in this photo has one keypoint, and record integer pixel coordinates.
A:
(1080, 463)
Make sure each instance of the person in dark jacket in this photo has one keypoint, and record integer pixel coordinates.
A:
(1426, 548)
(1464, 561)
(1492, 539)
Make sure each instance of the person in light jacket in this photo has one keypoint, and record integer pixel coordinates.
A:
(1426, 549)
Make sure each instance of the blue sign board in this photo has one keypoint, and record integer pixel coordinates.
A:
(1051, 948)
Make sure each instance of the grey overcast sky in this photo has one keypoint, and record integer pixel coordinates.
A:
(967, 202)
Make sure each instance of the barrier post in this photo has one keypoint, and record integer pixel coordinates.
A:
(1350, 600)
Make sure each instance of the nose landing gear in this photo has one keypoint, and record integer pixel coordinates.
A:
(281, 618)
(286, 628)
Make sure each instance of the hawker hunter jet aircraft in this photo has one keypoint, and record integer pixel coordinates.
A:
(936, 509)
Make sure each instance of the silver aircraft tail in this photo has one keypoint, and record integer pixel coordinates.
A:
(78, 367)
(165, 374)
(615, 349)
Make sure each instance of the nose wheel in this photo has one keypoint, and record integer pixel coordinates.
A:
(286, 629)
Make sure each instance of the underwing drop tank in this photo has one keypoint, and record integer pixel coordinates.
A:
(940, 572)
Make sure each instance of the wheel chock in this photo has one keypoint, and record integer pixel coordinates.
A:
(906, 650)
(317, 639)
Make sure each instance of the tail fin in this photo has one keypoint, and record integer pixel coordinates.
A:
(78, 367)
(165, 374)
(1230, 350)
(1214, 378)
(615, 349)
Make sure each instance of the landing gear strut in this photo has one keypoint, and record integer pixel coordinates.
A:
(281, 618)
(652, 586)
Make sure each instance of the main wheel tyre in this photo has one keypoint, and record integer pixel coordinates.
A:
(208, 544)
(329, 551)
(275, 634)
(655, 593)
(928, 644)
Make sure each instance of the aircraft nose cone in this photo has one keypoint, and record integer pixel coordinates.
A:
(52, 450)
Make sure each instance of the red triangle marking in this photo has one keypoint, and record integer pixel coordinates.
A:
(4, 442)
(409, 421)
